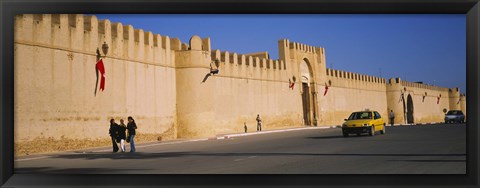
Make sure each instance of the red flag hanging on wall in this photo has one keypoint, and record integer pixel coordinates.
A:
(326, 89)
(101, 68)
(291, 84)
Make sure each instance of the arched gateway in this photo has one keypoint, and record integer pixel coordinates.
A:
(308, 93)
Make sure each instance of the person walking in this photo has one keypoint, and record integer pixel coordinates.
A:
(113, 131)
(259, 123)
(121, 134)
(131, 126)
(392, 117)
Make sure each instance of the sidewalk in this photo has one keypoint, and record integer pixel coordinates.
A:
(108, 149)
(156, 143)
(227, 136)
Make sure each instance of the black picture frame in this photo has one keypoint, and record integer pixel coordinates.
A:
(10, 8)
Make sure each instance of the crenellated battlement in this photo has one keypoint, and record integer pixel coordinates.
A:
(247, 65)
(332, 73)
(152, 77)
(85, 33)
(419, 85)
(303, 47)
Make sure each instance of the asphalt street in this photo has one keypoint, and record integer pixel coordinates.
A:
(419, 149)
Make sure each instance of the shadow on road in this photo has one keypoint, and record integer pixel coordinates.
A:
(72, 170)
(325, 137)
(442, 161)
(142, 155)
(341, 136)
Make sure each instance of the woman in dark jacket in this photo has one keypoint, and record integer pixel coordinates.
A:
(131, 126)
(121, 134)
(113, 131)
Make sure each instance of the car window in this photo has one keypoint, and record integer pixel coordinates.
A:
(360, 115)
(454, 112)
(377, 115)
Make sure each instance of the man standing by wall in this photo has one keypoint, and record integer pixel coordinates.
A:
(259, 123)
(113, 131)
(392, 117)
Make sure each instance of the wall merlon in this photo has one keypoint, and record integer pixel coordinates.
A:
(139, 46)
(117, 30)
(241, 59)
(263, 63)
(157, 45)
(72, 20)
(292, 45)
(149, 39)
(24, 32)
(166, 42)
(234, 58)
(225, 57)
(149, 52)
(206, 44)
(256, 62)
(137, 36)
(215, 55)
(129, 41)
(249, 61)
(117, 40)
(76, 31)
(176, 44)
(196, 43)
(60, 30)
(157, 40)
(44, 24)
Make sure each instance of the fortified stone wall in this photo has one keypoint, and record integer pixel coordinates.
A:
(349, 92)
(55, 78)
(247, 86)
(165, 84)
(428, 102)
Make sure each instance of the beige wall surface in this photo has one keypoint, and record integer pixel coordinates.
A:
(166, 86)
(55, 79)
(350, 92)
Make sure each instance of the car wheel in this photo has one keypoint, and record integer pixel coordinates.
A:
(372, 131)
(345, 134)
(383, 129)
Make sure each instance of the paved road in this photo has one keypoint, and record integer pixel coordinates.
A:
(421, 149)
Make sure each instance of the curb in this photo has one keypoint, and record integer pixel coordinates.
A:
(228, 136)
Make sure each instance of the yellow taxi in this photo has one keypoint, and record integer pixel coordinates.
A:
(363, 122)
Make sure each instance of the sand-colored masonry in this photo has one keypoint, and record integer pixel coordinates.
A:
(163, 83)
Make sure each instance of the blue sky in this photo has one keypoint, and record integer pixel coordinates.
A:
(428, 48)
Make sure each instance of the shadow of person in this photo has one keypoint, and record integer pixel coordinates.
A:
(206, 77)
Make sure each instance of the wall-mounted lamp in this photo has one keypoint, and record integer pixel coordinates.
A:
(217, 65)
(104, 50)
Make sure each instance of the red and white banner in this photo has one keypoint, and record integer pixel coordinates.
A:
(101, 68)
